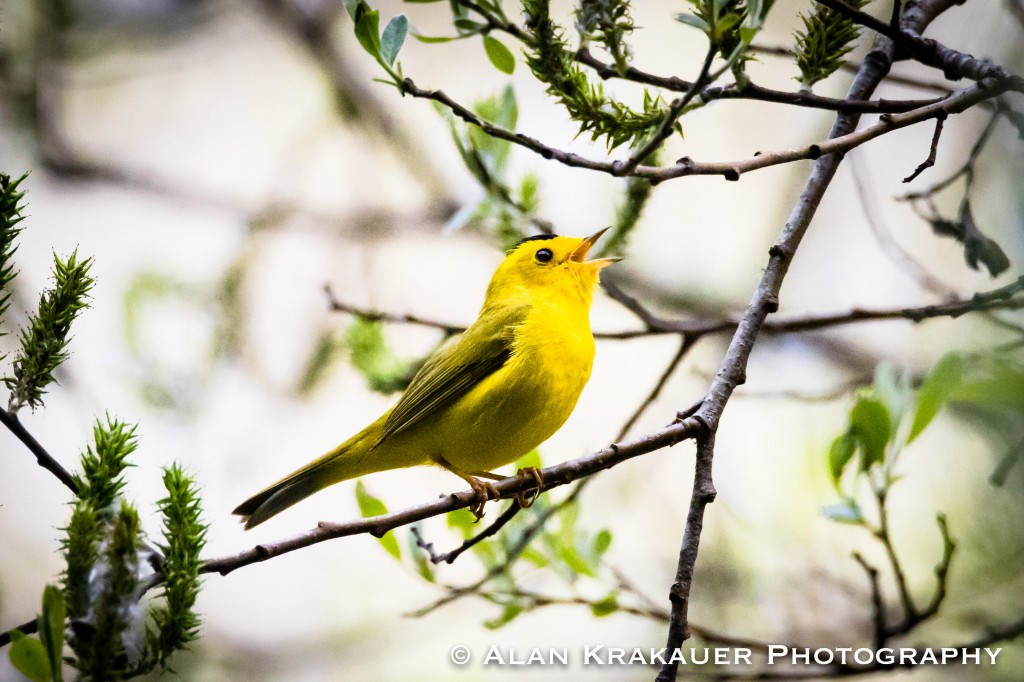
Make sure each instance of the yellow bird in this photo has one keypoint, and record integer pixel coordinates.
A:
(496, 392)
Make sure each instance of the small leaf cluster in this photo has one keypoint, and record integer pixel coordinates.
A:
(44, 341)
(883, 420)
(607, 22)
(545, 536)
(383, 371)
(892, 414)
(551, 62)
(384, 47)
(826, 38)
(730, 25)
(40, 659)
(627, 215)
(497, 53)
(503, 210)
(979, 249)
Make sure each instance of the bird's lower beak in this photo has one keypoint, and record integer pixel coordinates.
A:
(581, 252)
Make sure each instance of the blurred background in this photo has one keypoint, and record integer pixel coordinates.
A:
(224, 161)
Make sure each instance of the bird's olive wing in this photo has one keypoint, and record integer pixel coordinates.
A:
(456, 369)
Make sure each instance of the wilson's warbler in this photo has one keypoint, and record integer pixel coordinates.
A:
(494, 393)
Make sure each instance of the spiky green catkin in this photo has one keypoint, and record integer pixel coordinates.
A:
(11, 208)
(44, 342)
(607, 22)
(104, 462)
(115, 582)
(80, 549)
(627, 216)
(176, 623)
(826, 38)
(552, 62)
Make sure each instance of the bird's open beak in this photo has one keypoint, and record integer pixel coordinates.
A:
(581, 252)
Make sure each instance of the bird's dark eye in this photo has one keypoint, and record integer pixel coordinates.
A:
(544, 256)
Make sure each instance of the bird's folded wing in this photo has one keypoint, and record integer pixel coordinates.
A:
(456, 369)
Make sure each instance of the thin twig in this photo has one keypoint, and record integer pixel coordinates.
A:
(954, 64)
(26, 628)
(43, 458)
(752, 91)
(491, 530)
(878, 629)
(930, 160)
(730, 170)
(675, 110)
(853, 67)
(511, 557)
(679, 595)
(685, 344)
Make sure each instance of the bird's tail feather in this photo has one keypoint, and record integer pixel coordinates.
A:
(346, 461)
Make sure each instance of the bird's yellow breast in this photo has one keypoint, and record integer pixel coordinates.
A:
(522, 404)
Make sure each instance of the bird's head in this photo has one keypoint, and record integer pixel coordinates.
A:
(549, 264)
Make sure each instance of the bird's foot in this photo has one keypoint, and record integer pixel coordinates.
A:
(483, 492)
(524, 498)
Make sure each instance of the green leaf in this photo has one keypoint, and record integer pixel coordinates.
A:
(28, 656)
(507, 615)
(367, 27)
(935, 390)
(436, 39)
(393, 38)
(372, 506)
(605, 606)
(602, 541)
(51, 628)
(871, 424)
(726, 24)
(463, 521)
(695, 21)
(840, 454)
(571, 558)
(843, 513)
(421, 561)
(499, 55)
(892, 387)
(468, 25)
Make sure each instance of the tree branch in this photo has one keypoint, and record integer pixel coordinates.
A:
(753, 91)
(907, 36)
(765, 300)
(44, 458)
(554, 476)
(730, 170)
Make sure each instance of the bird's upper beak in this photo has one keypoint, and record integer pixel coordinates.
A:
(581, 252)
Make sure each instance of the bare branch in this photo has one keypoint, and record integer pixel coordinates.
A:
(930, 160)
(753, 91)
(554, 476)
(878, 628)
(44, 458)
(679, 595)
(491, 530)
(730, 170)
(765, 300)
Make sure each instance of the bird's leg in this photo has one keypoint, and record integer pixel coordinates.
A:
(482, 490)
(534, 473)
